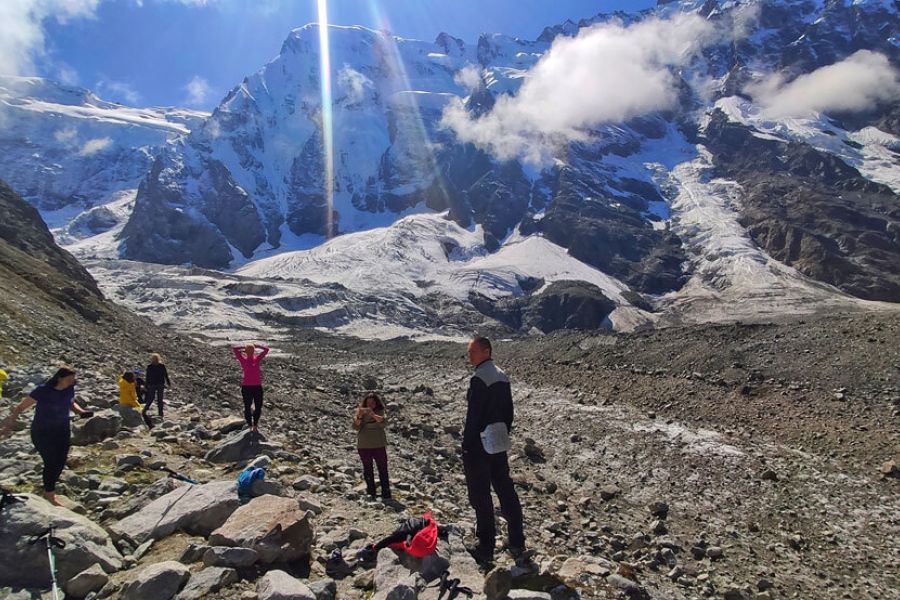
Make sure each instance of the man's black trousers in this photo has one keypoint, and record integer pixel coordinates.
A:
(484, 471)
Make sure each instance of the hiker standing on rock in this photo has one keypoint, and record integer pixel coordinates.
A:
(50, 430)
(489, 417)
(155, 386)
(371, 442)
(251, 383)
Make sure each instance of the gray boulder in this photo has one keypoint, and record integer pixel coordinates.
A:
(226, 425)
(497, 584)
(324, 589)
(195, 509)
(90, 580)
(130, 417)
(243, 445)
(393, 581)
(208, 581)
(278, 585)
(160, 581)
(265, 486)
(275, 527)
(103, 425)
(226, 556)
(87, 544)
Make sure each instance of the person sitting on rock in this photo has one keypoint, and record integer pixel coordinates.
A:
(128, 391)
(371, 442)
(50, 429)
(251, 383)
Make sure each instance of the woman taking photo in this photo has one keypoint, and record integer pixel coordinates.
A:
(251, 383)
(50, 431)
(369, 420)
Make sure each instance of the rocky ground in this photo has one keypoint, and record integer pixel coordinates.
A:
(741, 461)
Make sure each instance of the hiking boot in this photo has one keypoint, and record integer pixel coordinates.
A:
(520, 554)
(367, 554)
(482, 554)
(336, 567)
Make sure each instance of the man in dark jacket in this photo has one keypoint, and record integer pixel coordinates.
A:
(489, 400)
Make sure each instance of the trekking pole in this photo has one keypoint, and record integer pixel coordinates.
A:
(51, 542)
(176, 475)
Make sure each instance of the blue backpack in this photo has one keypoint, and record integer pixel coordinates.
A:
(245, 482)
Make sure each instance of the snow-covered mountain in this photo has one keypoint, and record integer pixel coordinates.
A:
(714, 207)
(77, 158)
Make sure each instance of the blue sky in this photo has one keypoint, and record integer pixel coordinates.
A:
(191, 52)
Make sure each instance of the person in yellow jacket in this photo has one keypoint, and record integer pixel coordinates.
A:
(128, 391)
(3, 377)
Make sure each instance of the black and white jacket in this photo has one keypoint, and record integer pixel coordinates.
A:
(489, 400)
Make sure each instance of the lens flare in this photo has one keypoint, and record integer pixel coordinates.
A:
(417, 130)
(327, 116)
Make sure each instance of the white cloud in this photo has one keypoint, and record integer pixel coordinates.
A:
(117, 91)
(95, 145)
(66, 74)
(608, 73)
(22, 33)
(469, 77)
(859, 82)
(198, 91)
(354, 84)
(64, 136)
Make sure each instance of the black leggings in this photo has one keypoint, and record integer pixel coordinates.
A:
(252, 394)
(154, 392)
(53, 446)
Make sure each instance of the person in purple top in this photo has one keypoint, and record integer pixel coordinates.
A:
(251, 383)
(50, 431)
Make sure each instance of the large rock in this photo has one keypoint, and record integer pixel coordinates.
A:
(226, 556)
(207, 582)
(226, 425)
(243, 445)
(194, 509)
(497, 584)
(275, 527)
(393, 581)
(130, 417)
(278, 585)
(90, 580)
(87, 544)
(160, 581)
(101, 426)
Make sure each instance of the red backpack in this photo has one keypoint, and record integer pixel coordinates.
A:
(424, 542)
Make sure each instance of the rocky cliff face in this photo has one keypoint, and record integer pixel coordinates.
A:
(32, 264)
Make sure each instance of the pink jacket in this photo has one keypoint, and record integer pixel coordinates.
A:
(251, 366)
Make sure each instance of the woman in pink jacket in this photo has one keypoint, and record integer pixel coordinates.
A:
(251, 384)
